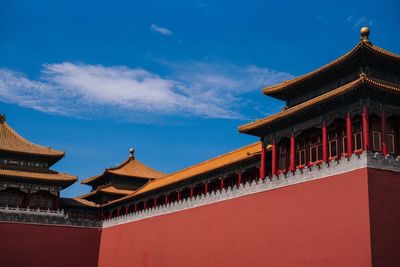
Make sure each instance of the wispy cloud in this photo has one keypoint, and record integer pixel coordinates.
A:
(194, 89)
(359, 21)
(160, 30)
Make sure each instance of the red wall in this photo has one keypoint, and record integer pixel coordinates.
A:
(41, 245)
(384, 191)
(319, 223)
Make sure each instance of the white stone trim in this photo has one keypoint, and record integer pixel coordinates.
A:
(324, 170)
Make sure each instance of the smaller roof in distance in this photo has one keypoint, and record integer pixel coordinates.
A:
(232, 157)
(12, 142)
(131, 168)
(108, 189)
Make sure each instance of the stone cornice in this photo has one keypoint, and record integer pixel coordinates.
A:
(324, 170)
(44, 217)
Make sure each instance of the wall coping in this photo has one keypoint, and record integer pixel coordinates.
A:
(315, 172)
(43, 217)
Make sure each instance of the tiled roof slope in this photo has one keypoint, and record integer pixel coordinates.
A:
(42, 176)
(129, 168)
(363, 80)
(232, 157)
(10, 141)
(361, 46)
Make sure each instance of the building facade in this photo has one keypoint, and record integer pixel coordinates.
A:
(320, 188)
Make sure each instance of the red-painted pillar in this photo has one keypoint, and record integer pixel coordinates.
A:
(166, 199)
(206, 188)
(118, 212)
(365, 128)
(191, 191)
(324, 142)
(273, 167)
(179, 196)
(222, 183)
(349, 132)
(154, 202)
(292, 165)
(144, 204)
(384, 131)
(135, 207)
(263, 159)
(239, 179)
(126, 210)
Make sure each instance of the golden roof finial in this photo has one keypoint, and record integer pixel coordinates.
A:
(364, 32)
(131, 153)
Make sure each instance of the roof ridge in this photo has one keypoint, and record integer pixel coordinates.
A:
(173, 179)
(211, 159)
(306, 103)
(364, 78)
(346, 56)
(26, 141)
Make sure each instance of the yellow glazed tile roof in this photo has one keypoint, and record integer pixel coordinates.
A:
(237, 155)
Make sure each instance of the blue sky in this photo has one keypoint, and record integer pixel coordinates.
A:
(173, 79)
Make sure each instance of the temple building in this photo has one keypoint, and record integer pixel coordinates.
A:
(26, 179)
(227, 171)
(319, 187)
(346, 107)
(119, 181)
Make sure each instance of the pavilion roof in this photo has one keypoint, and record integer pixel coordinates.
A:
(204, 167)
(363, 80)
(280, 89)
(12, 142)
(46, 176)
(131, 168)
(85, 202)
(108, 189)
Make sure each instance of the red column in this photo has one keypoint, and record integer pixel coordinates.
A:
(222, 183)
(273, 168)
(179, 196)
(135, 207)
(144, 204)
(324, 142)
(206, 188)
(384, 131)
(118, 212)
(191, 191)
(292, 165)
(154, 202)
(239, 179)
(263, 159)
(349, 132)
(365, 129)
(126, 210)
(166, 199)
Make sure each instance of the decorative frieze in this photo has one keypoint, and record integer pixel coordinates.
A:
(321, 171)
(30, 188)
(47, 217)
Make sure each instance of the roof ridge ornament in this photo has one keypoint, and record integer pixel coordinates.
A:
(364, 32)
(2, 118)
(132, 153)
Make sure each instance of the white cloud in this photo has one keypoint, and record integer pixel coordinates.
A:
(80, 90)
(161, 30)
